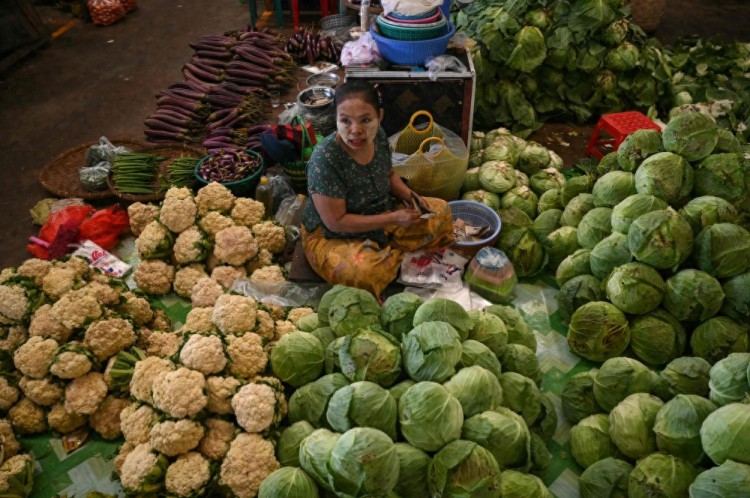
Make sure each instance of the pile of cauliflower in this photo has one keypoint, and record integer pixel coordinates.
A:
(189, 237)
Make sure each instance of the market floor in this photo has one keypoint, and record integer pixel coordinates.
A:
(93, 81)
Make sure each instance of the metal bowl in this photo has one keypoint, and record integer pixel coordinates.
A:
(323, 79)
(316, 97)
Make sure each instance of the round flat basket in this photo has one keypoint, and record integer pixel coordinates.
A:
(413, 52)
(475, 214)
(61, 177)
(169, 152)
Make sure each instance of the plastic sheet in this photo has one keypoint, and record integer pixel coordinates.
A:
(281, 293)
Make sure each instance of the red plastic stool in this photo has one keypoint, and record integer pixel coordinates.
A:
(618, 125)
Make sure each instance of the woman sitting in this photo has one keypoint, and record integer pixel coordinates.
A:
(351, 233)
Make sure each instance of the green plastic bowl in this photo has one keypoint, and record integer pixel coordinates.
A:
(239, 187)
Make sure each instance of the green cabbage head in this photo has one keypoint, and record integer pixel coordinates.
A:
(693, 135)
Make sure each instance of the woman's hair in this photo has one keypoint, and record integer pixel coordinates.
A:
(360, 89)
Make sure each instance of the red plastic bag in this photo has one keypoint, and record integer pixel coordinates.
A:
(105, 227)
(72, 217)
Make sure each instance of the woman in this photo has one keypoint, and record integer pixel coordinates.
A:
(351, 233)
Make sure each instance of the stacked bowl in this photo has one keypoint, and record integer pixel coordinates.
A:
(410, 40)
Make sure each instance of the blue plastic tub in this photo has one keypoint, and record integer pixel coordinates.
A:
(413, 52)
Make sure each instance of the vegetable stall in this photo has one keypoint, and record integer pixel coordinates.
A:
(606, 354)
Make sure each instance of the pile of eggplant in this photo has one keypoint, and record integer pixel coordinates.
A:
(306, 46)
(225, 93)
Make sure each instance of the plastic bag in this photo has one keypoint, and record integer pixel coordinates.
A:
(281, 187)
(491, 275)
(443, 64)
(409, 7)
(436, 270)
(281, 293)
(105, 227)
(68, 219)
(104, 151)
(94, 178)
(361, 51)
(290, 210)
(105, 12)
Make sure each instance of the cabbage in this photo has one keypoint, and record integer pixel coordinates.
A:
(362, 404)
(522, 360)
(310, 402)
(547, 222)
(638, 146)
(678, 426)
(522, 198)
(288, 482)
(501, 151)
(576, 208)
(737, 297)
(397, 313)
(513, 219)
(496, 176)
(728, 379)
(606, 478)
(530, 50)
(372, 356)
(722, 250)
(363, 462)
(624, 57)
(431, 351)
(352, 309)
(657, 337)
(631, 425)
(399, 389)
(616, 32)
(613, 188)
(430, 416)
(635, 288)
(559, 244)
(489, 330)
(522, 179)
(412, 471)
(463, 468)
(595, 226)
(693, 135)
(476, 353)
(546, 424)
(684, 375)
(576, 292)
(519, 485)
(607, 163)
(728, 480)
(534, 157)
(471, 180)
(521, 395)
(661, 475)
(725, 434)
(287, 449)
(325, 303)
(546, 179)
(445, 310)
(314, 453)
(524, 250)
(721, 175)
(598, 331)
(483, 197)
(548, 200)
(667, 176)
(518, 331)
(631, 208)
(661, 239)
(476, 142)
(297, 358)
(309, 323)
(577, 397)
(693, 295)
(609, 254)
(577, 185)
(620, 377)
(476, 388)
(502, 432)
(498, 135)
(572, 266)
(715, 338)
(590, 442)
(703, 212)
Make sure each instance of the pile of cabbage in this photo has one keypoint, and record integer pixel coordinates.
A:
(412, 398)
(519, 179)
(685, 430)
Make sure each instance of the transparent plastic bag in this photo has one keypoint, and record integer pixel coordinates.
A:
(94, 178)
(104, 151)
(290, 210)
(443, 64)
(361, 51)
(281, 293)
(105, 12)
(281, 187)
(435, 270)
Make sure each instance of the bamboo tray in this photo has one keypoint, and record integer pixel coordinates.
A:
(61, 177)
(169, 152)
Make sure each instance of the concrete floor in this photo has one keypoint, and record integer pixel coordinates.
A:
(94, 81)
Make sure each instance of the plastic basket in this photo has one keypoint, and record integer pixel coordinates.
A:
(337, 21)
(239, 187)
(418, 17)
(412, 53)
(476, 214)
(411, 32)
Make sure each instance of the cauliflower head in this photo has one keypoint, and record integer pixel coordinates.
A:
(141, 215)
(220, 391)
(273, 273)
(178, 210)
(214, 197)
(205, 293)
(106, 420)
(191, 246)
(33, 358)
(203, 353)
(283, 327)
(295, 314)
(59, 281)
(246, 355)
(8, 394)
(265, 326)
(61, 420)
(45, 324)
(226, 275)
(234, 314)
(136, 421)
(43, 392)
(213, 223)
(34, 269)
(154, 277)
(76, 308)
(15, 336)
(263, 258)
(219, 435)
(142, 467)
(155, 242)
(188, 475)
(10, 443)
(163, 344)
(258, 406)
(270, 236)
(199, 320)
(144, 373)
(106, 338)
(160, 321)
(137, 307)
(84, 394)
(180, 393)
(125, 449)
(235, 245)
(248, 212)
(175, 437)
(186, 278)
(248, 462)
(27, 417)
(71, 361)
(13, 304)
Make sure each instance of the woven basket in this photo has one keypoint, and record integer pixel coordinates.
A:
(167, 151)
(61, 175)
(647, 13)
(337, 21)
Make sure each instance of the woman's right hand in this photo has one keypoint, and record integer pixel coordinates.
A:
(406, 217)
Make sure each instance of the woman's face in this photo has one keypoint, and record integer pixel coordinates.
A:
(357, 122)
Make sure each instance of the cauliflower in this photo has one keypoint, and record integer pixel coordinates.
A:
(27, 417)
(71, 361)
(106, 420)
(11, 444)
(76, 308)
(283, 327)
(58, 281)
(62, 421)
(141, 215)
(265, 327)
(163, 344)
(136, 307)
(188, 475)
(263, 258)
(186, 278)
(234, 314)
(17, 475)
(125, 449)
(34, 356)
(141, 384)
(79, 265)
(178, 209)
(142, 469)
(15, 336)
(160, 321)
(199, 320)
(226, 275)
(235, 245)
(270, 236)
(84, 394)
(214, 223)
(155, 242)
(205, 293)
(246, 355)
(273, 273)
(220, 391)
(296, 313)
(181, 393)
(43, 392)
(250, 459)
(45, 324)
(34, 269)
(276, 311)
(219, 435)
(214, 197)
(204, 353)
(174, 438)
(105, 294)
(258, 407)
(248, 212)
(6, 274)
(154, 277)
(13, 304)
(8, 394)
(106, 338)
(136, 421)
(191, 246)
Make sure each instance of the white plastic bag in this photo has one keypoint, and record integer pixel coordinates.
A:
(409, 7)
(443, 64)
(435, 270)
(361, 51)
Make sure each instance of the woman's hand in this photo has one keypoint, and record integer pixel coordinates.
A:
(406, 217)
